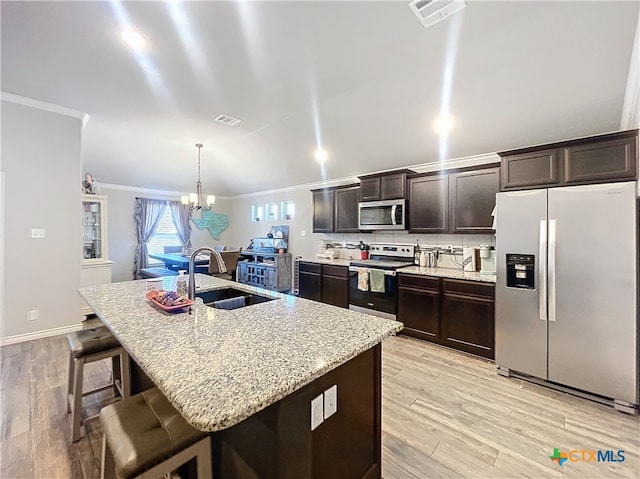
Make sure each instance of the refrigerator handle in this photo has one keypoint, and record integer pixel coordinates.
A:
(552, 270)
(542, 275)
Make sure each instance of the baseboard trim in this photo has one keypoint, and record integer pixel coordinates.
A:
(21, 338)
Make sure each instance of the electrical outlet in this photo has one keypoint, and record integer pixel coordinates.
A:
(303, 233)
(37, 233)
(33, 314)
(317, 412)
(331, 401)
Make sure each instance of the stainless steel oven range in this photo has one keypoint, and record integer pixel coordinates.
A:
(373, 284)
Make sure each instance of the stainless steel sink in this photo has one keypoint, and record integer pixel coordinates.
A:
(216, 298)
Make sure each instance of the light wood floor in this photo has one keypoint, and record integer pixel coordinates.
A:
(449, 415)
(445, 415)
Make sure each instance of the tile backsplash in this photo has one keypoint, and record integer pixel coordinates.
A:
(402, 237)
(347, 243)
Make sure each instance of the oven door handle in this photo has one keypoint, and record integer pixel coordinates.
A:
(387, 272)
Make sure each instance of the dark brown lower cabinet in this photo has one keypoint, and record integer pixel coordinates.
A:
(454, 313)
(419, 305)
(468, 316)
(324, 282)
(310, 280)
(335, 285)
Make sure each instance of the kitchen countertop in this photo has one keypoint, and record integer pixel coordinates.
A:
(335, 262)
(449, 273)
(422, 271)
(218, 367)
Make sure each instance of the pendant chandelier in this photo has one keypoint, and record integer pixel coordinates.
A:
(197, 201)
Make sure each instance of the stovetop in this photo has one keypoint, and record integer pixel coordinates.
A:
(386, 256)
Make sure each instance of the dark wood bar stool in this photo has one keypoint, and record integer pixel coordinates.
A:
(87, 346)
(145, 437)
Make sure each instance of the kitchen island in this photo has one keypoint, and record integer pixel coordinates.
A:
(249, 375)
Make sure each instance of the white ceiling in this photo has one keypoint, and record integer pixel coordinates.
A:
(365, 79)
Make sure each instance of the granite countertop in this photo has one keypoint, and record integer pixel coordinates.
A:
(422, 271)
(218, 367)
(449, 273)
(335, 261)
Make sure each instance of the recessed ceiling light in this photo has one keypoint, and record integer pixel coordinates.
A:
(320, 155)
(443, 123)
(134, 39)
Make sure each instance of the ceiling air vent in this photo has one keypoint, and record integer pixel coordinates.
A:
(228, 120)
(431, 12)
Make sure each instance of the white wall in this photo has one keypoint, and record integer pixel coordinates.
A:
(631, 107)
(244, 229)
(122, 227)
(41, 166)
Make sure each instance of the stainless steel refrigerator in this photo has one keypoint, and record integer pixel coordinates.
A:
(566, 289)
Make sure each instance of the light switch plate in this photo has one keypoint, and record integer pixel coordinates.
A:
(331, 401)
(317, 412)
(37, 233)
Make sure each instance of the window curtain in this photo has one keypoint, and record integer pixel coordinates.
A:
(181, 215)
(147, 216)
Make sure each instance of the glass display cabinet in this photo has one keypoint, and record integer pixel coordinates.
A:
(96, 267)
(94, 241)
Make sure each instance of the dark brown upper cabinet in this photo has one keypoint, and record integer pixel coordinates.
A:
(384, 186)
(603, 161)
(323, 210)
(596, 159)
(457, 202)
(472, 196)
(370, 189)
(346, 209)
(336, 209)
(429, 204)
(530, 170)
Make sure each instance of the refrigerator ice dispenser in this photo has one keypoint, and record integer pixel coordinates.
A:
(520, 271)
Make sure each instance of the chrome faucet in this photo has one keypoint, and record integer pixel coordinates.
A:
(192, 280)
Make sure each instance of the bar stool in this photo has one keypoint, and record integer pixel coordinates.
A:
(145, 437)
(87, 346)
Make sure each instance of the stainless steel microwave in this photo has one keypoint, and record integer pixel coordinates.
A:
(382, 215)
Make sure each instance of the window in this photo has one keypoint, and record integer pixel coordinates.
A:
(288, 210)
(257, 213)
(165, 235)
(272, 211)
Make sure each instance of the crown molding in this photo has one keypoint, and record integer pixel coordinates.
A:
(43, 105)
(463, 162)
(306, 186)
(152, 191)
